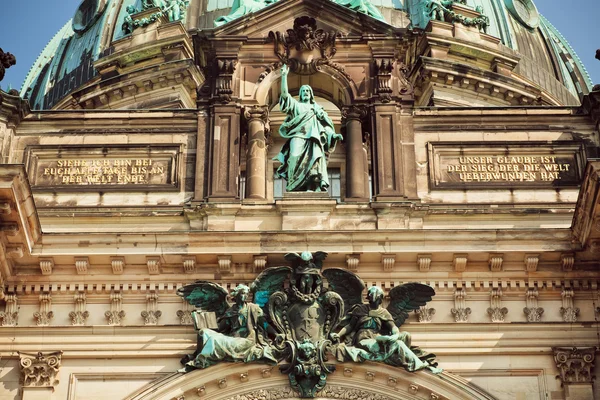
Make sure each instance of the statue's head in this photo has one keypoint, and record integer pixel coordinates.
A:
(306, 94)
(375, 295)
(131, 9)
(240, 293)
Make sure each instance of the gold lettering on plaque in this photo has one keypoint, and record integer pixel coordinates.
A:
(106, 171)
(507, 168)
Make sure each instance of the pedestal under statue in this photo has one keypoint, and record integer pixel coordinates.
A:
(310, 138)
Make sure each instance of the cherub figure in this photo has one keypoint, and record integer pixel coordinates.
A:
(241, 331)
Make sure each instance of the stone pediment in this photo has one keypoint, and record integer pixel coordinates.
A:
(280, 17)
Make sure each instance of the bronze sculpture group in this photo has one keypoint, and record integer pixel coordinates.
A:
(298, 325)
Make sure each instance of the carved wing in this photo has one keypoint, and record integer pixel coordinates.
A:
(406, 298)
(268, 282)
(347, 284)
(205, 295)
(319, 257)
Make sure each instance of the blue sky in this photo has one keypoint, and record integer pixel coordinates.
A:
(27, 26)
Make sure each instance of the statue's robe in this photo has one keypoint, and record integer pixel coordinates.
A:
(240, 341)
(310, 137)
(367, 343)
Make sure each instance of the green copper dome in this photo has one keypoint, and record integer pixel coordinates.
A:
(67, 62)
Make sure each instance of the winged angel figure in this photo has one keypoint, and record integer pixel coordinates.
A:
(241, 328)
(372, 332)
(302, 321)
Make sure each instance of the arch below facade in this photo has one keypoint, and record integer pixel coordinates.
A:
(368, 381)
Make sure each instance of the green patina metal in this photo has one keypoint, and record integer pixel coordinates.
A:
(362, 6)
(310, 138)
(299, 324)
(240, 8)
(174, 10)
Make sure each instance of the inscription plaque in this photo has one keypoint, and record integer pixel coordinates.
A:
(131, 168)
(495, 165)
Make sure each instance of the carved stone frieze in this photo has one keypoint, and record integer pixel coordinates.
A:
(79, 315)
(460, 311)
(425, 314)
(117, 264)
(151, 314)
(424, 262)
(496, 311)
(10, 315)
(44, 316)
(352, 261)
(115, 315)
(305, 48)
(568, 311)
(532, 311)
(40, 369)
(575, 365)
(185, 313)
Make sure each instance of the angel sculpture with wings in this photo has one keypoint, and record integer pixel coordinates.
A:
(371, 331)
(241, 331)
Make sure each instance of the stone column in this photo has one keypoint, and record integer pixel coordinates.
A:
(357, 173)
(576, 371)
(39, 374)
(256, 153)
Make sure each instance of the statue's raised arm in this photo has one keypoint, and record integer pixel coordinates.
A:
(310, 135)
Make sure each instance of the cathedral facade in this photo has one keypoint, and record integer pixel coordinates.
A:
(142, 154)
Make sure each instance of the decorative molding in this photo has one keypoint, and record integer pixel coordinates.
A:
(116, 313)
(387, 261)
(259, 263)
(9, 228)
(496, 311)
(568, 311)
(81, 265)
(224, 263)
(352, 261)
(460, 262)
(305, 48)
(10, 315)
(413, 388)
(14, 251)
(79, 315)
(151, 314)
(46, 266)
(44, 316)
(460, 311)
(567, 262)
(532, 311)
(224, 68)
(117, 264)
(425, 314)
(185, 313)
(189, 265)
(424, 262)
(575, 365)
(153, 264)
(495, 262)
(383, 68)
(531, 262)
(40, 369)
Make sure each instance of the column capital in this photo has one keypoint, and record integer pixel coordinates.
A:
(40, 369)
(256, 112)
(575, 364)
(354, 112)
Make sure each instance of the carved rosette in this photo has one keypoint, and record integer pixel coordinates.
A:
(305, 48)
(575, 365)
(40, 369)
